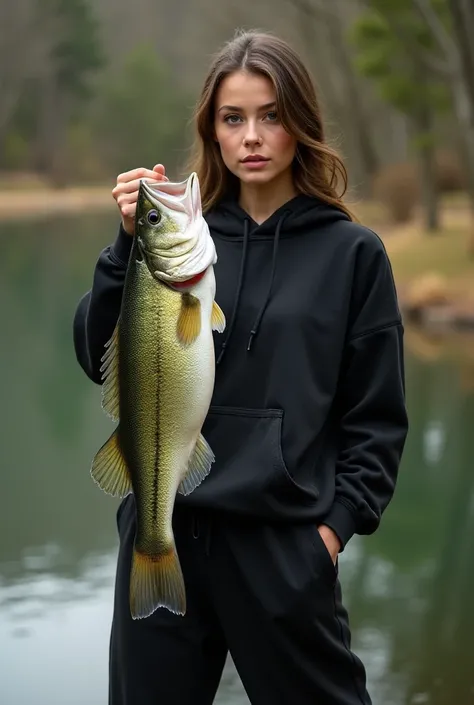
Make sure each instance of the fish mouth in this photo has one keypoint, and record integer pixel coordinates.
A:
(172, 195)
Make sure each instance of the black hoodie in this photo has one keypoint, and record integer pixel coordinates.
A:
(308, 419)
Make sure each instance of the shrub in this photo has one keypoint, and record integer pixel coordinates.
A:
(450, 173)
(15, 152)
(397, 188)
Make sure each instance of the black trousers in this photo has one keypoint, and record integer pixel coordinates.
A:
(269, 594)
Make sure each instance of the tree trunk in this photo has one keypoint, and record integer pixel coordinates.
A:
(15, 65)
(464, 110)
(462, 12)
(427, 170)
(424, 121)
(321, 30)
(51, 126)
(429, 188)
(367, 153)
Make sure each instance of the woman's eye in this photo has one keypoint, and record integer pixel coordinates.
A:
(153, 217)
(232, 119)
(272, 116)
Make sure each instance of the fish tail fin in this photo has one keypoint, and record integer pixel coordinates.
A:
(156, 581)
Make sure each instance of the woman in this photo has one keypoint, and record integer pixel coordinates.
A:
(308, 418)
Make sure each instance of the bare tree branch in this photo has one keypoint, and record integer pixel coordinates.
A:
(312, 10)
(431, 62)
(463, 24)
(443, 68)
(441, 35)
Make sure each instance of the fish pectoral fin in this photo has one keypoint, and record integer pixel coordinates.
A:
(110, 470)
(156, 581)
(199, 466)
(110, 376)
(189, 321)
(218, 318)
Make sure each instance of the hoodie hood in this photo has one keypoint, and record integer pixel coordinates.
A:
(300, 215)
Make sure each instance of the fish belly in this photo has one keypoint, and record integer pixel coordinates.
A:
(165, 393)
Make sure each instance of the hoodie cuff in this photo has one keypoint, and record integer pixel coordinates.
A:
(341, 520)
(122, 246)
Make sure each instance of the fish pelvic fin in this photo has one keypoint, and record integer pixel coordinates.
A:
(156, 581)
(110, 376)
(109, 469)
(189, 320)
(199, 466)
(218, 318)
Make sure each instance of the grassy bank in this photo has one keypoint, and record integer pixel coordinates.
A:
(438, 268)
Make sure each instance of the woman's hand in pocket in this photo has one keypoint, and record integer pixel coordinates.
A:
(331, 541)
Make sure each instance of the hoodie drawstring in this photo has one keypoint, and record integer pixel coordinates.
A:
(258, 320)
(239, 291)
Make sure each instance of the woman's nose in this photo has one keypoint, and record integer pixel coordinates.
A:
(252, 136)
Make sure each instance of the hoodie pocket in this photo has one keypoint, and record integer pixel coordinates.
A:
(250, 474)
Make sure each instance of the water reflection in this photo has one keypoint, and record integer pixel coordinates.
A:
(408, 588)
(42, 587)
(53, 637)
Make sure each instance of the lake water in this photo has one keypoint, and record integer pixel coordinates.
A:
(409, 588)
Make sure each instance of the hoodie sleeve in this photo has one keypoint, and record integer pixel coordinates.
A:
(98, 311)
(371, 400)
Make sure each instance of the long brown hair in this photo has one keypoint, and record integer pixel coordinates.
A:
(317, 169)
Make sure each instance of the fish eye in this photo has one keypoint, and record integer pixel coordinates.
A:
(153, 217)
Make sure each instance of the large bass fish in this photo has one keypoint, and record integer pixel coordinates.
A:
(158, 380)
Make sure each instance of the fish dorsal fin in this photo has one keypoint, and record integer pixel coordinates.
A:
(110, 376)
(199, 466)
(189, 321)
(218, 318)
(110, 470)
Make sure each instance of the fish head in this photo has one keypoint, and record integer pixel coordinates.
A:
(172, 234)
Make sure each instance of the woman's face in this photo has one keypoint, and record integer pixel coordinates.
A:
(254, 145)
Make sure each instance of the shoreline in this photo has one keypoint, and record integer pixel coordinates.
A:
(435, 311)
(439, 319)
(40, 202)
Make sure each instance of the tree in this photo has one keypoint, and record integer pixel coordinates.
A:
(389, 39)
(320, 18)
(142, 115)
(70, 55)
(451, 23)
(15, 65)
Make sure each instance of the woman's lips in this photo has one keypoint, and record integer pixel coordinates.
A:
(255, 161)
